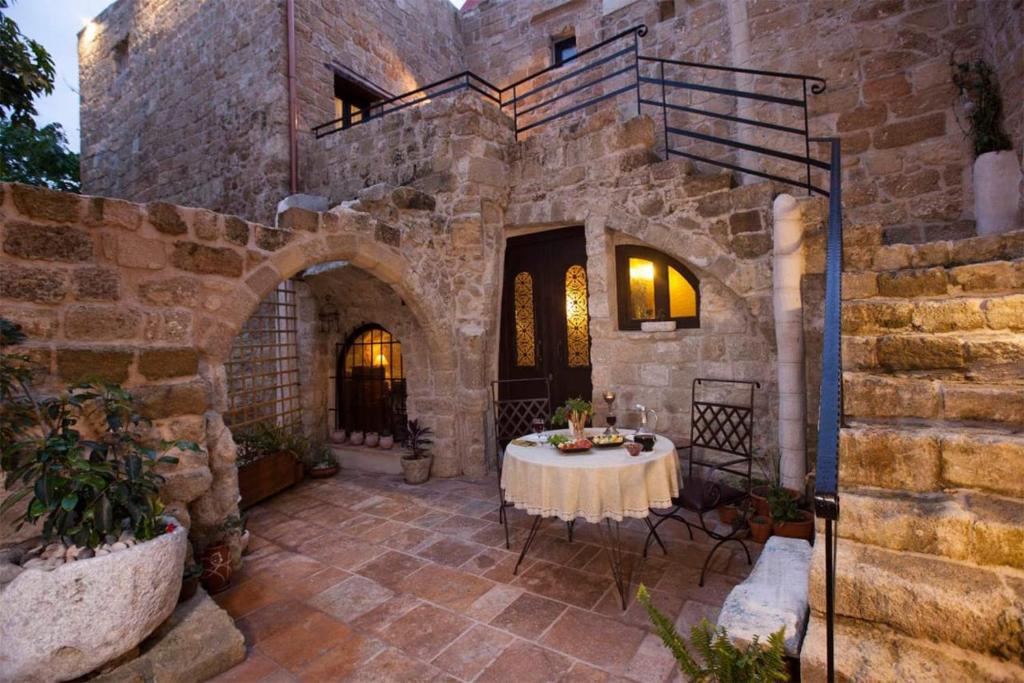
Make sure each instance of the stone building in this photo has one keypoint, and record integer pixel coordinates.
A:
(420, 222)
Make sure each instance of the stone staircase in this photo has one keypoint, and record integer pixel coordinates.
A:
(930, 562)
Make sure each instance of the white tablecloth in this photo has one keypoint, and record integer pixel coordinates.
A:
(600, 484)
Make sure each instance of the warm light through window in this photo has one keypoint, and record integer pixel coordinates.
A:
(577, 321)
(641, 288)
(682, 298)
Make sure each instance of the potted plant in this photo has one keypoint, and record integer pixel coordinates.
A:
(372, 439)
(718, 659)
(355, 437)
(416, 463)
(770, 484)
(997, 173)
(788, 519)
(387, 440)
(760, 528)
(576, 412)
(190, 581)
(325, 465)
(269, 460)
(219, 557)
(94, 494)
(338, 436)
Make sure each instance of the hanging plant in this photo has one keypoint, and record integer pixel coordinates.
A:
(981, 102)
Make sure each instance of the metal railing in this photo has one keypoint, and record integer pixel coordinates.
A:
(613, 68)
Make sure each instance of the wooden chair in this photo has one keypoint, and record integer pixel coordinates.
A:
(725, 432)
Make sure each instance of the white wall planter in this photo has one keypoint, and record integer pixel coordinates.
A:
(658, 326)
(61, 624)
(997, 178)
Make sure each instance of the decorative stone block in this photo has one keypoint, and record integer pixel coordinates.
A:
(166, 218)
(41, 285)
(48, 242)
(199, 258)
(79, 365)
(101, 322)
(99, 284)
(164, 363)
(46, 204)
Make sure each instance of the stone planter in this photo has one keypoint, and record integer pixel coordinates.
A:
(997, 178)
(416, 471)
(64, 623)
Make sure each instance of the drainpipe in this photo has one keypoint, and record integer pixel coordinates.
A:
(293, 104)
(788, 268)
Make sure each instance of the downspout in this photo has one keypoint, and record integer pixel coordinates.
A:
(787, 270)
(293, 104)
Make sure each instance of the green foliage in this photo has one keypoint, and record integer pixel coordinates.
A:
(321, 455)
(234, 524)
(419, 439)
(88, 490)
(37, 156)
(574, 408)
(979, 89)
(718, 660)
(26, 72)
(556, 439)
(265, 438)
(783, 506)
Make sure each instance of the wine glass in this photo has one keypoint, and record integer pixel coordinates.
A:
(538, 427)
(609, 398)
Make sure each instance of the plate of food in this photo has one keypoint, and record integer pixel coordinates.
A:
(608, 440)
(567, 445)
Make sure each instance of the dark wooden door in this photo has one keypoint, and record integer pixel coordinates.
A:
(545, 325)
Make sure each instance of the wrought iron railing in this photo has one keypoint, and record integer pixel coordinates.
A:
(613, 68)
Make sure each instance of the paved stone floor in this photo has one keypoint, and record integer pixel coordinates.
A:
(364, 578)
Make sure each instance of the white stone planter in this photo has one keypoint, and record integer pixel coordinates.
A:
(658, 326)
(997, 178)
(60, 624)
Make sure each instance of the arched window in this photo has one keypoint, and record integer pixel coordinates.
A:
(654, 286)
(371, 382)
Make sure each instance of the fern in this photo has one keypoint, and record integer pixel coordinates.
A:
(718, 660)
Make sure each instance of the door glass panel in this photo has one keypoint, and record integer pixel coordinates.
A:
(682, 298)
(576, 318)
(641, 288)
(526, 355)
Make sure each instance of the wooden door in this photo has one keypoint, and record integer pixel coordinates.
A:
(545, 325)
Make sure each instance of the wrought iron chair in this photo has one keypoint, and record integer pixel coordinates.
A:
(514, 417)
(728, 430)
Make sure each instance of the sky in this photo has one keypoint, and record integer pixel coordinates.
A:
(55, 24)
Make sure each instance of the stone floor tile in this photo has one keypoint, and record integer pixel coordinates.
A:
(562, 583)
(351, 598)
(288, 568)
(255, 667)
(446, 587)
(292, 532)
(266, 621)
(585, 553)
(383, 615)
(392, 664)
(652, 661)
(584, 673)
(474, 651)
(426, 630)
(316, 583)
(610, 605)
(486, 560)
(692, 613)
(493, 535)
(390, 568)
(529, 616)
(243, 598)
(410, 539)
(342, 660)
(382, 532)
(380, 506)
(296, 646)
(358, 527)
(503, 570)
(461, 526)
(493, 602)
(524, 662)
(450, 551)
(606, 643)
(411, 512)
(339, 550)
(432, 519)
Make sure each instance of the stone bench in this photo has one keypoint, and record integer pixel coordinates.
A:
(772, 597)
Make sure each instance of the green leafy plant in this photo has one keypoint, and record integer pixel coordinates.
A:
(233, 525)
(38, 156)
(265, 438)
(26, 71)
(979, 92)
(718, 660)
(556, 439)
(87, 490)
(783, 506)
(192, 571)
(574, 410)
(322, 456)
(419, 439)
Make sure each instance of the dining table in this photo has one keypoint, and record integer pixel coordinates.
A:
(602, 486)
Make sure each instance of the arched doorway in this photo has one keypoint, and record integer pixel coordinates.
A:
(371, 387)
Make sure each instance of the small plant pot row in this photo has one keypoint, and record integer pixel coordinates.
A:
(357, 438)
(762, 525)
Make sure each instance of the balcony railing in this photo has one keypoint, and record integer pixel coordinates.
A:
(680, 95)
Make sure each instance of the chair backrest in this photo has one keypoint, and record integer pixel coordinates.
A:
(723, 427)
(513, 417)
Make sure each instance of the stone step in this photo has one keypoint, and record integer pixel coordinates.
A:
(979, 355)
(962, 525)
(926, 459)
(867, 395)
(867, 653)
(948, 314)
(925, 596)
(877, 257)
(938, 281)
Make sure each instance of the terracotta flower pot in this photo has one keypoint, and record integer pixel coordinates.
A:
(316, 472)
(338, 436)
(189, 587)
(217, 568)
(416, 471)
(802, 528)
(760, 528)
(728, 513)
(356, 438)
(759, 494)
(386, 443)
(372, 439)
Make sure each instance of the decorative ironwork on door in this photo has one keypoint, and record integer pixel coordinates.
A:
(371, 387)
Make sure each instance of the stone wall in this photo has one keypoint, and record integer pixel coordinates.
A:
(186, 102)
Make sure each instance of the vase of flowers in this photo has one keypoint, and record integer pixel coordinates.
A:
(576, 413)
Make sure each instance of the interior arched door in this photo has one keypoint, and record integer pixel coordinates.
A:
(545, 322)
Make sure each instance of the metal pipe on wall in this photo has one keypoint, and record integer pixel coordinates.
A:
(293, 105)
